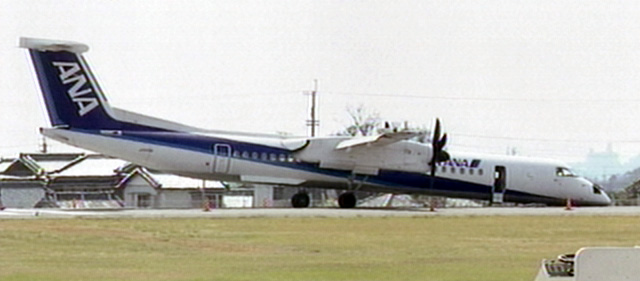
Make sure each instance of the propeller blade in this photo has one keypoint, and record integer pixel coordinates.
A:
(442, 142)
(437, 145)
(436, 132)
(437, 149)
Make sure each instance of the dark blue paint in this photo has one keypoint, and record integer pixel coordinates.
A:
(62, 110)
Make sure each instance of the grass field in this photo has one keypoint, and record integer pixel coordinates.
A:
(427, 248)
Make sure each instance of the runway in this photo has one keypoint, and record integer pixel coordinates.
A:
(314, 213)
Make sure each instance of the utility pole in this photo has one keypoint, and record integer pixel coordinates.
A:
(43, 145)
(313, 122)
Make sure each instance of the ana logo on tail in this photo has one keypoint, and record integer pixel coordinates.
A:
(70, 72)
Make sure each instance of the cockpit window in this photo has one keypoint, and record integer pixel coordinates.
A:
(564, 172)
(597, 189)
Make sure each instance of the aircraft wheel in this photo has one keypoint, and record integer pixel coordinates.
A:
(300, 200)
(347, 200)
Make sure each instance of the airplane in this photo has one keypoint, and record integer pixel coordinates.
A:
(388, 162)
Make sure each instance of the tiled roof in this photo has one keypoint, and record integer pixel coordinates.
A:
(93, 165)
(67, 166)
(5, 163)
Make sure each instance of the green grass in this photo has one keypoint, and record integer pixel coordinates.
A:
(426, 248)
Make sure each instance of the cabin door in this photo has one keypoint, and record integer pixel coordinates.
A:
(499, 184)
(221, 157)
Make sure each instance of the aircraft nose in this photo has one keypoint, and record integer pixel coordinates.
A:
(607, 199)
(604, 197)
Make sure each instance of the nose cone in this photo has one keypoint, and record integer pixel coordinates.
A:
(605, 199)
(602, 198)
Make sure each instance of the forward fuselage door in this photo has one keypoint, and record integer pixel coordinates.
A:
(221, 158)
(499, 184)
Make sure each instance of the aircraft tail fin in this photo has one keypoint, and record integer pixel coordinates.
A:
(70, 91)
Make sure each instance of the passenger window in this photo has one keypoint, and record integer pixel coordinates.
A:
(282, 158)
(273, 157)
(236, 154)
(453, 170)
(254, 155)
(471, 172)
(480, 172)
(444, 169)
(263, 156)
(462, 171)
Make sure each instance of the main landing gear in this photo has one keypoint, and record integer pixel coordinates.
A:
(346, 200)
(300, 200)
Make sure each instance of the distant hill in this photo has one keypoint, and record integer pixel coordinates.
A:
(606, 169)
(620, 181)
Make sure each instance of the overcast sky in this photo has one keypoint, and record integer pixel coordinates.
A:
(550, 78)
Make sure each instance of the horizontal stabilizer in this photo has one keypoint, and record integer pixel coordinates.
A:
(378, 140)
(53, 45)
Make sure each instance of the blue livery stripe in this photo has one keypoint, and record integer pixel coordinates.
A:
(386, 179)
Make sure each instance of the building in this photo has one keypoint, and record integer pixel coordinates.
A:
(78, 180)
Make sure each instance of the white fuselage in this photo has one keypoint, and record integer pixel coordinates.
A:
(314, 162)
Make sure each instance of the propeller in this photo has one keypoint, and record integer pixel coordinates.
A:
(437, 146)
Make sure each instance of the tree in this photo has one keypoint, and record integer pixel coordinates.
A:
(364, 122)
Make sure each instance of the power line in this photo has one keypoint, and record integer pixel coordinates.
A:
(547, 140)
(417, 96)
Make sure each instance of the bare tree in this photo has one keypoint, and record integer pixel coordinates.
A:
(363, 122)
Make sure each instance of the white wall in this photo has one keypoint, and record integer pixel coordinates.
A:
(137, 185)
(263, 196)
(24, 197)
(175, 199)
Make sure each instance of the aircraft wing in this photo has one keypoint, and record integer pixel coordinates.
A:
(378, 140)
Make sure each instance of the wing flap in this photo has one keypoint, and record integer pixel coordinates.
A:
(378, 140)
(274, 180)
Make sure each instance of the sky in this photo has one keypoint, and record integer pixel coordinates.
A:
(552, 79)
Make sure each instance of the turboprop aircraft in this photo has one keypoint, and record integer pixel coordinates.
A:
(388, 162)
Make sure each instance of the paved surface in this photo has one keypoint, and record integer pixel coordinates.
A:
(315, 212)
